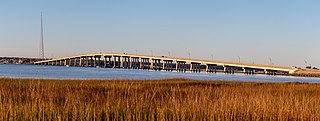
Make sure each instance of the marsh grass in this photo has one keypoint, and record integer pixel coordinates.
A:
(168, 99)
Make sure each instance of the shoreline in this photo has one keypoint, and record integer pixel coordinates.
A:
(129, 79)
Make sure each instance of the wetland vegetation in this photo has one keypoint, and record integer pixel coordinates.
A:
(167, 99)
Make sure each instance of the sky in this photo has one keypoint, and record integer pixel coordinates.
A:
(281, 32)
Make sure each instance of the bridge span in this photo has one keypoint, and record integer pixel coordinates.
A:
(158, 63)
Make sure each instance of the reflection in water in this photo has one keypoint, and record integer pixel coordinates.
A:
(61, 72)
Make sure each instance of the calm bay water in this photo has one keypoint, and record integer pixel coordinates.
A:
(61, 72)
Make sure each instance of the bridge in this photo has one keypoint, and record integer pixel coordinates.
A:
(164, 63)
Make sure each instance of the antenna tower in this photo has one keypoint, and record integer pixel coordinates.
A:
(41, 51)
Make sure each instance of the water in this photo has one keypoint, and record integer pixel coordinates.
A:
(61, 72)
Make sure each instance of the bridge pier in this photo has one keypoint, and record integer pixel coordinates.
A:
(167, 65)
(211, 68)
(65, 62)
(181, 66)
(171, 65)
(60, 63)
(142, 63)
(195, 67)
(156, 64)
(114, 61)
(94, 61)
(177, 66)
(84, 59)
(91, 61)
(164, 64)
(79, 64)
(80, 61)
(87, 61)
(126, 62)
(100, 62)
(123, 61)
(159, 64)
(107, 62)
(249, 71)
(135, 64)
(70, 62)
(228, 69)
(270, 72)
(130, 62)
(151, 63)
(75, 62)
(117, 62)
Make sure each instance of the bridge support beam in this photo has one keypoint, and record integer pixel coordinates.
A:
(151, 64)
(140, 62)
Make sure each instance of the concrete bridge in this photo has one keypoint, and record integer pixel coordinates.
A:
(163, 63)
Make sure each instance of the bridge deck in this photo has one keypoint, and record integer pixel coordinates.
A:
(174, 59)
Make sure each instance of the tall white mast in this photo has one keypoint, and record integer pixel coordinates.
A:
(41, 53)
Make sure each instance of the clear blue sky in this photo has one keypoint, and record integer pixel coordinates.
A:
(287, 31)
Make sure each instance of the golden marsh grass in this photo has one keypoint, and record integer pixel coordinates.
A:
(168, 99)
